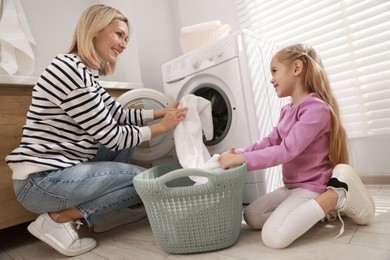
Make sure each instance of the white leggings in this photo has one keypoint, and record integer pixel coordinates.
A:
(284, 215)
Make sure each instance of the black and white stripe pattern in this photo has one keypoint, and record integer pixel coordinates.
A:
(70, 115)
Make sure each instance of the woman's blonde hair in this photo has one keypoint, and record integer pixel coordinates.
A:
(316, 80)
(92, 21)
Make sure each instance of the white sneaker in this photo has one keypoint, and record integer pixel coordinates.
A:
(118, 218)
(62, 237)
(358, 204)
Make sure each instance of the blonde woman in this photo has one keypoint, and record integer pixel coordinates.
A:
(72, 162)
(311, 145)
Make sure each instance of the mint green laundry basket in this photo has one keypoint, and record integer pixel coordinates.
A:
(187, 218)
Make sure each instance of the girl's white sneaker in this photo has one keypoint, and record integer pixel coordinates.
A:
(358, 204)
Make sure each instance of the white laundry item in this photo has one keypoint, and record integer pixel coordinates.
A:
(212, 164)
(16, 39)
(188, 134)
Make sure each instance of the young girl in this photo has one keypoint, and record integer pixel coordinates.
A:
(72, 162)
(311, 144)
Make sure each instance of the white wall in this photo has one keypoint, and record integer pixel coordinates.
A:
(371, 155)
(199, 11)
(154, 27)
(52, 23)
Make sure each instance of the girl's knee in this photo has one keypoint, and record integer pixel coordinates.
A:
(274, 241)
(275, 238)
(253, 220)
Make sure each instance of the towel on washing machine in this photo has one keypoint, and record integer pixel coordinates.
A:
(188, 135)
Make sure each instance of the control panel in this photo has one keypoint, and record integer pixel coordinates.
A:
(200, 59)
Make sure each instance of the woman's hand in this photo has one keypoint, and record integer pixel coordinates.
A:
(160, 113)
(171, 117)
(230, 159)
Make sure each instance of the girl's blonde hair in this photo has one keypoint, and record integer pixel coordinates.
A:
(316, 80)
(92, 21)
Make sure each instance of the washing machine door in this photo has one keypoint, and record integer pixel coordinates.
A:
(224, 109)
(160, 146)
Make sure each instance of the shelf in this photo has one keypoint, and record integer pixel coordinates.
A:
(30, 81)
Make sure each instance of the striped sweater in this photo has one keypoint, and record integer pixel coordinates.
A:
(69, 117)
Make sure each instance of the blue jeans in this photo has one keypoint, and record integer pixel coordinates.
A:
(94, 188)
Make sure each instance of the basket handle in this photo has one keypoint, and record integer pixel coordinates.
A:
(179, 173)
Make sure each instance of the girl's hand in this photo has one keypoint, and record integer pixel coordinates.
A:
(230, 159)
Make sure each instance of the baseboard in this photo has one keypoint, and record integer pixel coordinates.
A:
(375, 179)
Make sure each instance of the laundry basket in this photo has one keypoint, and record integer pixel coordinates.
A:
(187, 218)
(196, 39)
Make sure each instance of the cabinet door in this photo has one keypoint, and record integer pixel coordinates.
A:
(14, 104)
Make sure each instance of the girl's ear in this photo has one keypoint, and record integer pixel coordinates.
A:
(298, 67)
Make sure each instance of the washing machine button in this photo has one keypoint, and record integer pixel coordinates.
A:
(219, 54)
(196, 63)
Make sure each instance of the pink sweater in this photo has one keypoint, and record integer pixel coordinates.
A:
(300, 142)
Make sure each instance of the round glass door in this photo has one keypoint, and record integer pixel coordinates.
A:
(220, 108)
(158, 146)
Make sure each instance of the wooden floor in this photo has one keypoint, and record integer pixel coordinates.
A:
(136, 241)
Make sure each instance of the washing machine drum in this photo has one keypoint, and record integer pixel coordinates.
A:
(160, 146)
(221, 112)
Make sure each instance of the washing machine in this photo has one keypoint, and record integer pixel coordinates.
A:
(233, 74)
